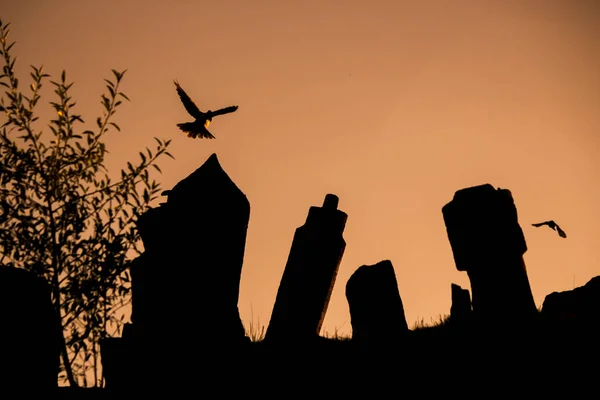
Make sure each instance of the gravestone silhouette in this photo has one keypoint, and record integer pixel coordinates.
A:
(580, 305)
(488, 243)
(195, 249)
(309, 275)
(376, 309)
(185, 286)
(29, 333)
(461, 303)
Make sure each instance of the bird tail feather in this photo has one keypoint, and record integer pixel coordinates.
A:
(191, 129)
(186, 126)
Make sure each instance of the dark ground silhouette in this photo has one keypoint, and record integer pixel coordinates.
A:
(494, 339)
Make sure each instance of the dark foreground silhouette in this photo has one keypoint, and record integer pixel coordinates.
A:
(494, 339)
(29, 332)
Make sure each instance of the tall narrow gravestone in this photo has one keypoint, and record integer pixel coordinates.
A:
(488, 243)
(309, 274)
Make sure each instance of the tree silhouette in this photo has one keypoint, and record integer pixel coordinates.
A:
(63, 217)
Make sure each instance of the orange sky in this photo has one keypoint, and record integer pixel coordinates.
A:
(391, 105)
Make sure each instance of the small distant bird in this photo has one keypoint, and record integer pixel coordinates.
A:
(198, 128)
(553, 226)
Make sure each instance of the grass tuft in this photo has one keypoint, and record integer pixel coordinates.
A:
(437, 323)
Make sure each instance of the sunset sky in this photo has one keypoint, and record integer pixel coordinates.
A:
(391, 105)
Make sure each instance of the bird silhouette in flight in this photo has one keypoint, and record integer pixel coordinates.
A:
(198, 128)
(553, 226)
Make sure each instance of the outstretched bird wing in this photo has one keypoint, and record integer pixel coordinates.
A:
(189, 105)
(554, 226)
(222, 111)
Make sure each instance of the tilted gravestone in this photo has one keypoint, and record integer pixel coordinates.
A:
(488, 243)
(29, 333)
(309, 275)
(376, 309)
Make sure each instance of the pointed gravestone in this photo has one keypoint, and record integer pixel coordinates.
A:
(488, 243)
(185, 286)
(376, 309)
(195, 247)
(309, 275)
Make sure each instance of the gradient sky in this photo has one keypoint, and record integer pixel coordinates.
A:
(391, 105)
